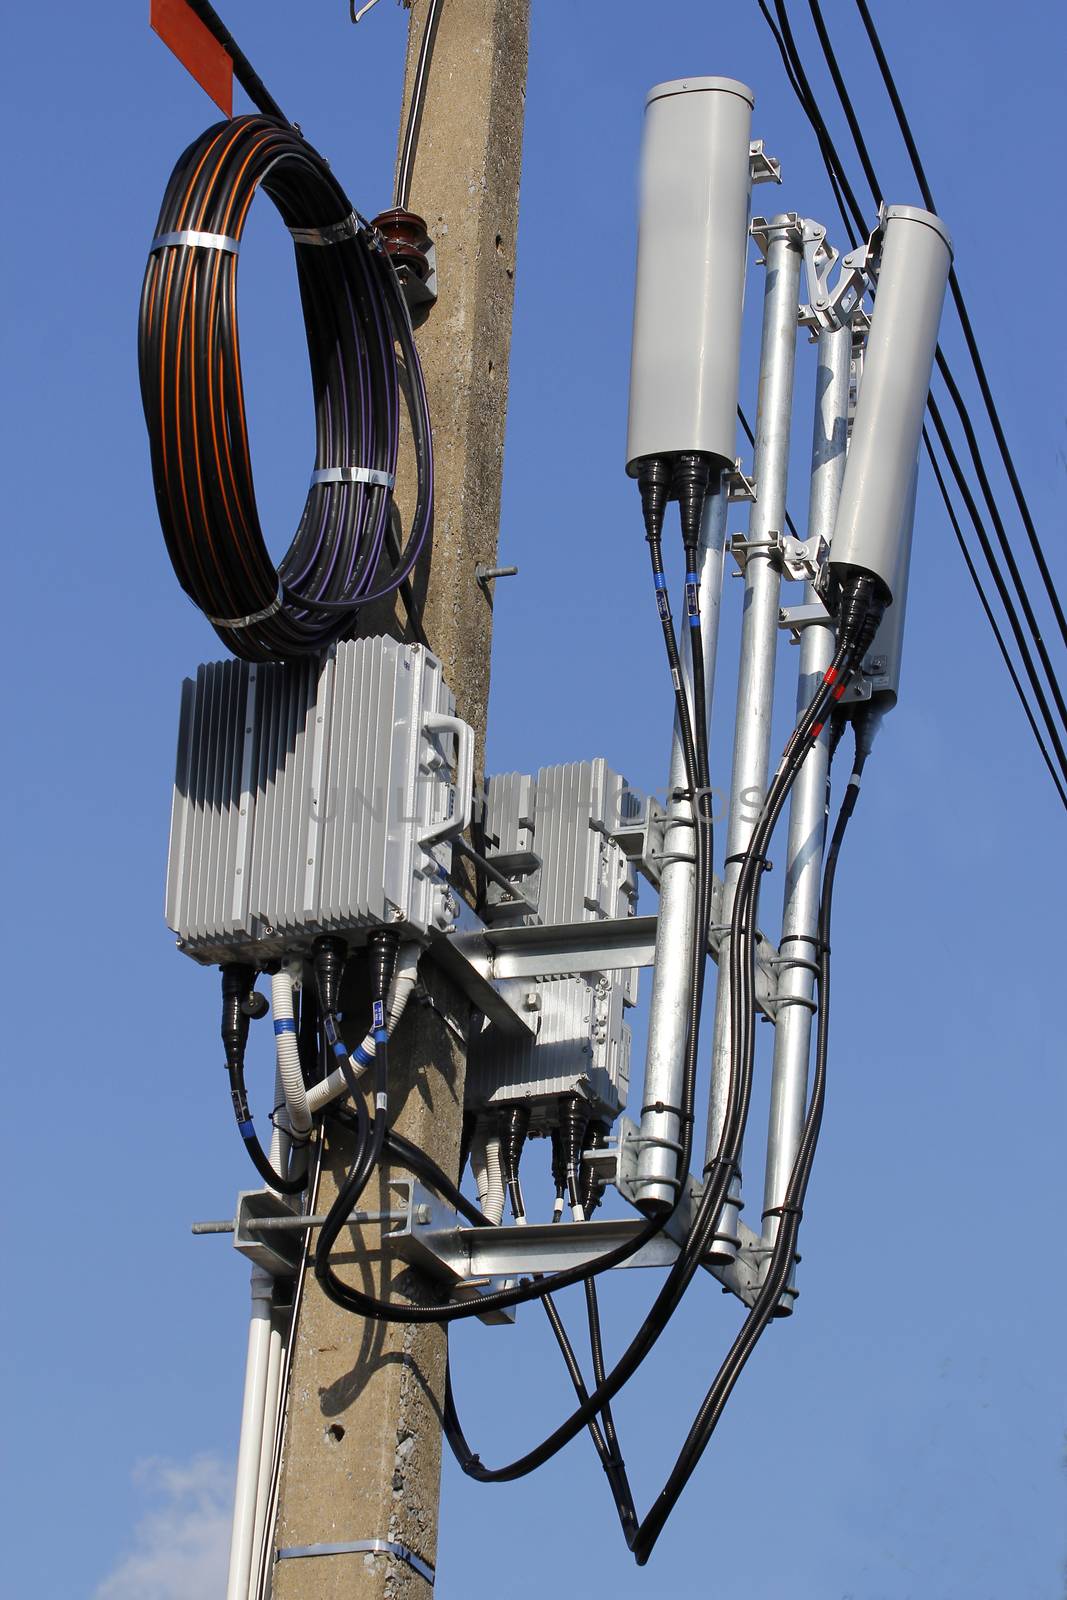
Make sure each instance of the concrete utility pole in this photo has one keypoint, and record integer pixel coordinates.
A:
(362, 1450)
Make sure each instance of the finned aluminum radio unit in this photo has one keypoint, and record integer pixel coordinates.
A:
(315, 799)
(582, 1046)
(552, 835)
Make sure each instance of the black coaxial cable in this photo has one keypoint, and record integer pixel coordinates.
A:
(355, 319)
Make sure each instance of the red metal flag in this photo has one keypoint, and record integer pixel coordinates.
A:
(196, 48)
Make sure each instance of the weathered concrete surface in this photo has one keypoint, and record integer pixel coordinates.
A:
(362, 1452)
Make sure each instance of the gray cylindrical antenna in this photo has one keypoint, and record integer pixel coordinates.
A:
(691, 254)
(915, 261)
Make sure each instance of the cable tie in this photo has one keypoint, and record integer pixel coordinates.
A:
(333, 233)
(382, 480)
(194, 237)
(254, 616)
(743, 855)
(662, 1107)
(297, 1141)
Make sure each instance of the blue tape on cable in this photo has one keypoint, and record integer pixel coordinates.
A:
(659, 579)
(247, 1129)
(339, 1049)
(380, 1036)
(361, 1056)
(694, 622)
(284, 1025)
(691, 577)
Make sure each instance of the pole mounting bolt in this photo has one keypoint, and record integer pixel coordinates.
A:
(484, 576)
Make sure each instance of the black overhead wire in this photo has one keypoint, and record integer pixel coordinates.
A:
(243, 71)
(946, 374)
(751, 437)
(965, 322)
(787, 46)
(1004, 651)
(799, 85)
(406, 163)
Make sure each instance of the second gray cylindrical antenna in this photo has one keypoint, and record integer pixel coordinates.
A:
(912, 275)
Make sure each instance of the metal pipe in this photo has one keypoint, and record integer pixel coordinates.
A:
(287, 1224)
(759, 638)
(657, 1170)
(249, 1450)
(807, 810)
(271, 1422)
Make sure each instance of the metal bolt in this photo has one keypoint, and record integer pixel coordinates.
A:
(423, 1215)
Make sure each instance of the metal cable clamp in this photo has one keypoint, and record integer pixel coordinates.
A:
(333, 233)
(254, 616)
(192, 236)
(382, 480)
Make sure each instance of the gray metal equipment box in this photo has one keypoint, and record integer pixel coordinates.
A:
(553, 836)
(315, 798)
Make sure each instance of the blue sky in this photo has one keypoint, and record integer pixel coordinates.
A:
(903, 1435)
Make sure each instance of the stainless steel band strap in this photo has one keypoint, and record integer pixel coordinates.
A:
(255, 616)
(354, 1547)
(205, 241)
(335, 233)
(384, 480)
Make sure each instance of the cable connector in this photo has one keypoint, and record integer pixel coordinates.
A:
(689, 486)
(654, 483)
(328, 961)
(382, 947)
(514, 1128)
(862, 605)
(237, 982)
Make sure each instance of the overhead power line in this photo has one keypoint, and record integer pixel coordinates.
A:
(965, 322)
(848, 203)
(990, 618)
(945, 371)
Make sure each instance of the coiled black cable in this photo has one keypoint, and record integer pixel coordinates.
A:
(355, 318)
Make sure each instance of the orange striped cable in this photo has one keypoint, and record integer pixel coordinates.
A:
(213, 408)
(234, 129)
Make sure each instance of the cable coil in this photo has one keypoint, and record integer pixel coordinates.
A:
(344, 553)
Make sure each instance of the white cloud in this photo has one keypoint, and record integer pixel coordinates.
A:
(180, 1547)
